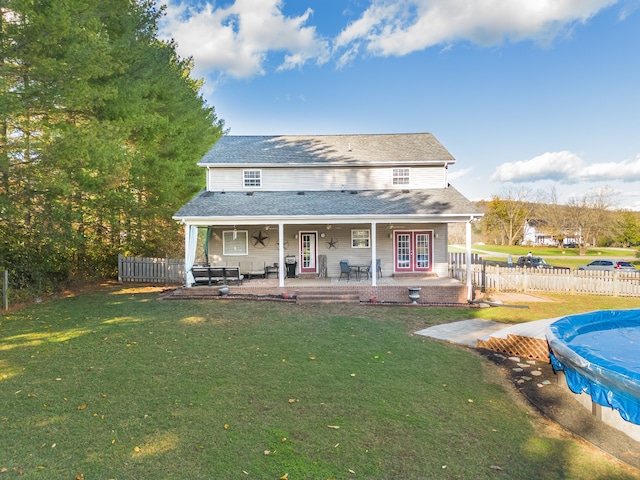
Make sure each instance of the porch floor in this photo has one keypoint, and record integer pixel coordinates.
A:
(416, 281)
(433, 290)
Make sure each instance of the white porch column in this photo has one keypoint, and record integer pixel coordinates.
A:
(281, 265)
(468, 238)
(374, 254)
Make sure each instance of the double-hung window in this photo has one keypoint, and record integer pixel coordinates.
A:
(252, 178)
(235, 242)
(401, 176)
(360, 238)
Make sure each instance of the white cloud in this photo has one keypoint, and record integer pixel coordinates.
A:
(559, 166)
(400, 27)
(455, 175)
(236, 39)
(626, 171)
(566, 167)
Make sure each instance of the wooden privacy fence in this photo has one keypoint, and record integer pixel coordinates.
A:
(617, 283)
(150, 270)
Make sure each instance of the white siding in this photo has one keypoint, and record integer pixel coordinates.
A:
(281, 179)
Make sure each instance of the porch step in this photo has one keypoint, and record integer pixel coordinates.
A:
(326, 296)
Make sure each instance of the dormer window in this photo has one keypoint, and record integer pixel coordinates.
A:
(252, 178)
(401, 176)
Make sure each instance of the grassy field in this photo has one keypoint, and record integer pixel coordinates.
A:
(117, 384)
(565, 257)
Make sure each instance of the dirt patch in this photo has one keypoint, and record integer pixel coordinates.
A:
(515, 297)
(550, 398)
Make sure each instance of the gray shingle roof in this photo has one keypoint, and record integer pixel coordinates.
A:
(370, 203)
(328, 149)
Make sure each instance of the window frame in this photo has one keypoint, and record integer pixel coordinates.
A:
(360, 242)
(239, 233)
(401, 176)
(255, 181)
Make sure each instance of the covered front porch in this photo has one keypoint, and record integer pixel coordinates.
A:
(431, 290)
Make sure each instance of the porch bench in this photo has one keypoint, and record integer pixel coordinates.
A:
(211, 274)
(249, 271)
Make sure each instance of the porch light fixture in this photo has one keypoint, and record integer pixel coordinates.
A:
(295, 236)
(328, 227)
(322, 235)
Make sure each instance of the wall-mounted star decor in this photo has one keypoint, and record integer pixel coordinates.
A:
(332, 243)
(261, 240)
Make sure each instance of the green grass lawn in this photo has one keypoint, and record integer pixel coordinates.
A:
(542, 251)
(116, 384)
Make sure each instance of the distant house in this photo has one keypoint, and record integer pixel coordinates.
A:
(535, 233)
(317, 199)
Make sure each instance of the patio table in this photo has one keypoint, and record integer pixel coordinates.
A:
(360, 269)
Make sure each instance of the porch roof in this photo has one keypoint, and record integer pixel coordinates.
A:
(442, 204)
(290, 150)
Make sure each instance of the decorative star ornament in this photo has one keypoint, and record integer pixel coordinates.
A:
(260, 239)
(332, 243)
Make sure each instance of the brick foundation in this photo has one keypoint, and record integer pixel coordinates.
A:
(436, 294)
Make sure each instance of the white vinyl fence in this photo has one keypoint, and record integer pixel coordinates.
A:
(529, 280)
(162, 271)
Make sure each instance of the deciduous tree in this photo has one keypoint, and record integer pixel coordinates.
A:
(508, 213)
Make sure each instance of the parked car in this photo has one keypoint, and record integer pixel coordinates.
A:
(607, 265)
(532, 262)
(625, 266)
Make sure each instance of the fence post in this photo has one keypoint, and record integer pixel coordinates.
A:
(120, 268)
(166, 271)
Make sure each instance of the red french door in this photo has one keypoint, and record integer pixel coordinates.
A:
(413, 251)
(308, 252)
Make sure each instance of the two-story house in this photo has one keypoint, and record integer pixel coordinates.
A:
(318, 199)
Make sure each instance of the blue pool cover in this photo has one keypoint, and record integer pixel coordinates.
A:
(600, 355)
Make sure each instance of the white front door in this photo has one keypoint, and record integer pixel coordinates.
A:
(308, 252)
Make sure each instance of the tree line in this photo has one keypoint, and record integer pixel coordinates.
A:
(590, 220)
(101, 127)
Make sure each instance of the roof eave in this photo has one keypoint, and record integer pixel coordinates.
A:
(327, 219)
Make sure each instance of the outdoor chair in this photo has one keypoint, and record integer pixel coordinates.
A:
(366, 271)
(369, 271)
(345, 269)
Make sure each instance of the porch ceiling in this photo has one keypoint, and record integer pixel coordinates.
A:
(445, 204)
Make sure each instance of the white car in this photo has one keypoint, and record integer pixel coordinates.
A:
(607, 265)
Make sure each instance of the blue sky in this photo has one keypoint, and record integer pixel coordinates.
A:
(527, 95)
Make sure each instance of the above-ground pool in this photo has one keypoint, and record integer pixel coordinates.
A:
(600, 355)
